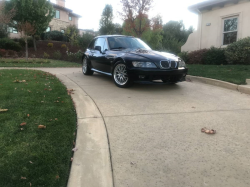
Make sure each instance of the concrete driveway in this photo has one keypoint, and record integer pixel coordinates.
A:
(155, 137)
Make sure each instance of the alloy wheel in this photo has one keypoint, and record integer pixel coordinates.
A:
(120, 74)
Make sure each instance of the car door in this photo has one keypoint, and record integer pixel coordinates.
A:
(98, 55)
(91, 52)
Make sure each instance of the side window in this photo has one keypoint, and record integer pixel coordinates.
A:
(105, 47)
(91, 45)
(230, 32)
(100, 42)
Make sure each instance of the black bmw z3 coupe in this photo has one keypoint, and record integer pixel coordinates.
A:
(128, 59)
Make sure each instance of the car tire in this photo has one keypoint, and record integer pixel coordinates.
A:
(120, 75)
(85, 67)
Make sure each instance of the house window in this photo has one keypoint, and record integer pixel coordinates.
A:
(70, 18)
(57, 15)
(230, 30)
(62, 31)
(12, 30)
(48, 29)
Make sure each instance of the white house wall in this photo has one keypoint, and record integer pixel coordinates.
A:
(207, 36)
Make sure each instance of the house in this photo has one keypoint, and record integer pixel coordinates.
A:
(221, 22)
(63, 18)
(87, 31)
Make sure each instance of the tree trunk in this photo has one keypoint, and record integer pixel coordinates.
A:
(26, 48)
(34, 42)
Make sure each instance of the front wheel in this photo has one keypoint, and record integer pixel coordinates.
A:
(120, 76)
(85, 67)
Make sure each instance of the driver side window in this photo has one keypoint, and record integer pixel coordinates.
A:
(99, 43)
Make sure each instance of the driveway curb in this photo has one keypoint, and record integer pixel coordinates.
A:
(91, 164)
(241, 88)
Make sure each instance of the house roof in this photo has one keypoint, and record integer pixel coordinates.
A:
(209, 4)
(66, 9)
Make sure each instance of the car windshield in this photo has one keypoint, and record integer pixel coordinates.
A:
(119, 43)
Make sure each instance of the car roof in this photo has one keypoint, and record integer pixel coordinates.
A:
(106, 36)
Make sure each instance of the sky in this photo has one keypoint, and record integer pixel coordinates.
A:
(91, 11)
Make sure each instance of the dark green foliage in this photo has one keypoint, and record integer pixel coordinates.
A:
(239, 52)
(55, 36)
(8, 44)
(215, 56)
(72, 34)
(175, 35)
(3, 31)
(184, 56)
(197, 57)
(106, 22)
(57, 55)
(85, 40)
(22, 42)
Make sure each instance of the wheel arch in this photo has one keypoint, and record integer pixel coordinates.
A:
(115, 61)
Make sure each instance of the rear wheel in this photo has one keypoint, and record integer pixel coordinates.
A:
(85, 67)
(120, 75)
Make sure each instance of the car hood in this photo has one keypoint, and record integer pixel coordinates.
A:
(155, 56)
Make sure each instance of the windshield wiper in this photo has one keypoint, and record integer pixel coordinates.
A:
(118, 48)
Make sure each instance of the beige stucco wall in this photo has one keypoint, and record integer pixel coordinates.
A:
(207, 36)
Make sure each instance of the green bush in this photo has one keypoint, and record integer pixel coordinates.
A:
(214, 56)
(45, 55)
(84, 40)
(8, 44)
(184, 56)
(22, 42)
(50, 45)
(239, 52)
(55, 36)
(57, 55)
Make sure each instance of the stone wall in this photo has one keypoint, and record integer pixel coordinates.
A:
(57, 24)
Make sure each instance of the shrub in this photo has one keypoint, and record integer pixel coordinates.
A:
(239, 52)
(22, 42)
(50, 45)
(72, 33)
(196, 57)
(54, 35)
(85, 40)
(45, 55)
(74, 56)
(2, 52)
(8, 44)
(184, 56)
(57, 55)
(215, 56)
(63, 46)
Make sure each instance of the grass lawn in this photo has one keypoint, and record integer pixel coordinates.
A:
(236, 74)
(30, 156)
(36, 63)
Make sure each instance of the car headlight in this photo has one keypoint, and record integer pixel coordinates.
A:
(182, 64)
(143, 64)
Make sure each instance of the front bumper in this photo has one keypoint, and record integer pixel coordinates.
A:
(170, 75)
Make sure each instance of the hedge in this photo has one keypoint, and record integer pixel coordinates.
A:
(8, 44)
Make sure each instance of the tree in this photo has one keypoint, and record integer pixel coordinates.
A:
(175, 35)
(37, 12)
(72, 34)
(118, 28)
(134, 14)
(5, 19)
(26, 29)
(106, 21)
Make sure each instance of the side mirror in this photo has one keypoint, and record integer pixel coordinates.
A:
(98, 48)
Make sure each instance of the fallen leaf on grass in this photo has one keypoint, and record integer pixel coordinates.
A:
(56, 119)
(41, 127)
(21, 129)
(56, 101)
(57, 177)
(50, 89)
(28, 115)
(42, 101)
(70, 91)
(24, 178)
(23, 124)
(30, 184)
(75, 149)
(71, 159)
(3, 110)
(31, 162)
